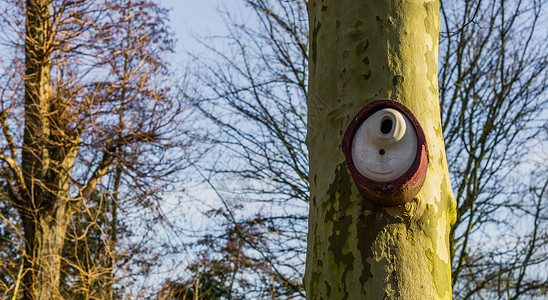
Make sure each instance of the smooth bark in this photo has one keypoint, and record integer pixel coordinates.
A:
(361, 51)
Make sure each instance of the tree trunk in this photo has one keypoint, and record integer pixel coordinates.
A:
(45, 236)
(362, 51)
(46, 161)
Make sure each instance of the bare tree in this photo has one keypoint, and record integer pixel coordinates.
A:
(84, 99)
(254, 97)
(494, 81)
(492, 95)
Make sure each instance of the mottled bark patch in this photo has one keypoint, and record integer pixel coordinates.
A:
(368, 230)
(336, 206)
(314, 41)
(397, 80)
(367, 76)
(440, 269)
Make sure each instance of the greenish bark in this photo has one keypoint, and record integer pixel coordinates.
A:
(362, 51)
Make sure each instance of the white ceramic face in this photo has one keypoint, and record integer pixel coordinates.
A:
(384, 146)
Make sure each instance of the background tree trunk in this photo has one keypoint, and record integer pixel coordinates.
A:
(359, 53)
(45, 235)
(84, 65)
(47, 157)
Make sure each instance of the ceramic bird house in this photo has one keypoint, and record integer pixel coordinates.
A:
(386, 153)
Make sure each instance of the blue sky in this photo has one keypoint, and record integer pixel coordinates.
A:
(190, 18)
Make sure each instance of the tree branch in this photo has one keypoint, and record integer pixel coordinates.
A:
(100, 171)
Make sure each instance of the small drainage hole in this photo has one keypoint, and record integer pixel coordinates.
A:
(381, 152)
